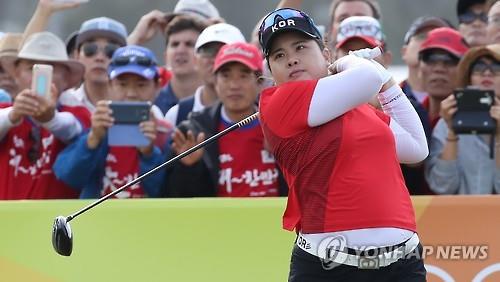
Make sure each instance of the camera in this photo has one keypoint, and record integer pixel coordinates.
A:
(473, 111)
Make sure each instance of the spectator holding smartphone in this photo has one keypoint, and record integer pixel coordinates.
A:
(462, 164)
(35, 128)
(93, 45)
(236, 165)
(94, 168)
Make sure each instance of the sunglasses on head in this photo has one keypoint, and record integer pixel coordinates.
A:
(481, 66)
(469, 17)
(286, 17)
(360, 30)
(435, 58)
(138, 60)
(282, 14)
(90, 49)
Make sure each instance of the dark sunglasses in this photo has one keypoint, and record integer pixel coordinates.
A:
(90, 49)
(435, 58)
(138, 60)
(481, 66)
(469, 17)
(34, 151)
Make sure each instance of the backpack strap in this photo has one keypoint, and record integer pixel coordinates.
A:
(185, 107)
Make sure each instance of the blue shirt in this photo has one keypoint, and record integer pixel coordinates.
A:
(166, 99)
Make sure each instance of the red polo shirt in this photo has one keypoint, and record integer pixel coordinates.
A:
(344, 174)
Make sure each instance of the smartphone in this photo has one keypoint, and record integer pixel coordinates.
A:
(41, 79)
(125, 130)
(126, 112)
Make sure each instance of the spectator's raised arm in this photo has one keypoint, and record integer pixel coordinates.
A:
(44, 10)
(148, 26)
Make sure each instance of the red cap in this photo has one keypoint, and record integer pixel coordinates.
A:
(240, 52)
(447, 39)
(371, 41)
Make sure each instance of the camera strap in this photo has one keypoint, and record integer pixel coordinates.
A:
(492, 146)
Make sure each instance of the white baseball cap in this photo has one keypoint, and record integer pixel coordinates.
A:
(365, 28)
(221, 32)
(201, 8)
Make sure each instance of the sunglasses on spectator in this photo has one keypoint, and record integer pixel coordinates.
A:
(469, 17)
(90, 49)
(138, 60)
(481, 66)
(435, 58)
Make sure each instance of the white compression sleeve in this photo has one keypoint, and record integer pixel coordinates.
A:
(64, 126)
(5, 123)
(334, 95)
(411, 143)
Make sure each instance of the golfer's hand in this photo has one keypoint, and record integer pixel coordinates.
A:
(347, 62)
(367, 53)
(371, 54)
(183, 142)
(101, 121)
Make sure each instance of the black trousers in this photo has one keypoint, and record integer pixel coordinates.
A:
(305, 267)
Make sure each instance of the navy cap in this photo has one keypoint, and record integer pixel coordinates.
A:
(283, 20)
(133, 59)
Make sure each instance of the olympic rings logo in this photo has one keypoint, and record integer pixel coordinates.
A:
(446, 277)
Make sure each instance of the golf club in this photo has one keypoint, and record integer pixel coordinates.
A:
(62, 236)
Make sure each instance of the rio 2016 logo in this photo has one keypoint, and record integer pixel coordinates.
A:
(446, 277)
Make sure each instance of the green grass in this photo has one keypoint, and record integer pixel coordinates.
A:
(148, 240)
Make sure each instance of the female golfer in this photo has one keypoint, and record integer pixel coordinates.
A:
(347, 202)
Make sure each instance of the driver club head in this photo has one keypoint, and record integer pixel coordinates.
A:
(62, 238)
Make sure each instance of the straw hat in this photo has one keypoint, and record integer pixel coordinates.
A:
(463, 73)
(47, 47)
(9, 45)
